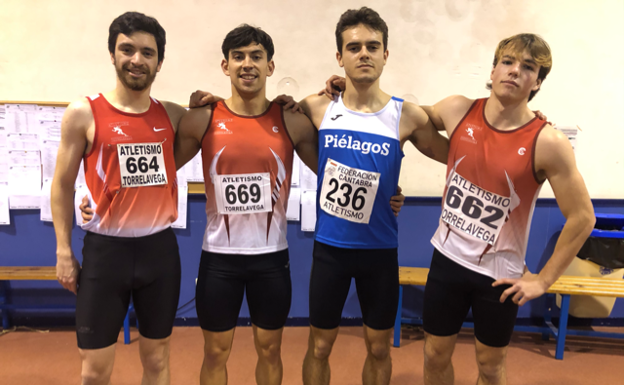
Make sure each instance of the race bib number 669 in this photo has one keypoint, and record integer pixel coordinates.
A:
(348, 193)
(141, 164)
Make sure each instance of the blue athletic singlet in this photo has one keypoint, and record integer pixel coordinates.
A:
(359, 163)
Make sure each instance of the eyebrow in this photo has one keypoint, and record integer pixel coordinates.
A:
(369, 42)
(258, 51)
(529, 61)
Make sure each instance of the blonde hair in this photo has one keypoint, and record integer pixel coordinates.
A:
(537, 47)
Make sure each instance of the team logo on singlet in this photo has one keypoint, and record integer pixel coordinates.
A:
(521, 151)
(475, 211)
(222, 127)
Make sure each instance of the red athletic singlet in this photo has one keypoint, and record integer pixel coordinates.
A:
(130, 171)
(490, 193)
(247, 163)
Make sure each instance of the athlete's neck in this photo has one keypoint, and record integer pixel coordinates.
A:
(507, 115)
(364, 97)
(128, 100)
(248, 105)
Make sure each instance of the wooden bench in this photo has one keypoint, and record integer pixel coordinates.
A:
(565, 286)
(34, 273)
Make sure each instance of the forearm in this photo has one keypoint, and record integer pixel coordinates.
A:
(571, 239)
(62, 216)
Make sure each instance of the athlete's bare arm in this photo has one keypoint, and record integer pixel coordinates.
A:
(417, 127)
(304, 136)
(554, 160)
(190, 133)
(77, 131)
(448, 112)
(175, 112)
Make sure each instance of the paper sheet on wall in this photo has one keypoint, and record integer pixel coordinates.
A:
(571, 132)
(24, 186)
(46, 208)
(307, 178)
(22, 141)
(5, 218)
(49, 113)
(49, 130)
(81, 178)
(49, 150)
(294, 206)
(24, 158)
(308, 210)
(180, 223)
(194, 170)
(4, 164)
(296, 171)
(21, 118)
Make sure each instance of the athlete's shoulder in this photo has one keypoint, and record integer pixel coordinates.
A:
(550, 139)
(454, 104)
(314, 103)
(78, 113)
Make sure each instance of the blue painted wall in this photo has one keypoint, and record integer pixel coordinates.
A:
(30, 242)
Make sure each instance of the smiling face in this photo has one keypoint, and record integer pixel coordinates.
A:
(136, 60)
(363, 56)
(515, 76)
(248, 68)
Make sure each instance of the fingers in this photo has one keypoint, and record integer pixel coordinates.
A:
(504, 281)
(507, 293)
(399, 190)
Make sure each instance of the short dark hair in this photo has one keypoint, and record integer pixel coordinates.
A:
(131, 22)
(244, 35)
(365, 16)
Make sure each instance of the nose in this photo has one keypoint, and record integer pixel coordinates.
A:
(137, 58)
(514, 69)
(248, 62)
(364, 54)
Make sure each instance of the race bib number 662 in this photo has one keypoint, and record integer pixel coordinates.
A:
(142, 164)
(348, 193)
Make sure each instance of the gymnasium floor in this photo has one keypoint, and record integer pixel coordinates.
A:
(30, 357)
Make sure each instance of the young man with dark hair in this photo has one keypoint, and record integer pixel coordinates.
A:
(361, 136)
(126, 140)
(500, 155)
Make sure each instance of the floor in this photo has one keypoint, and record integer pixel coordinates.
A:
(32, 357)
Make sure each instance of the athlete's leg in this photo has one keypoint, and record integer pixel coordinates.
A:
(269, 369)
(156, 292)
(446, 303)
(377, 283)
(217, 348)
(155, 359)
(219, 295)
(316, 370)
(329, 288)
(97, 365)
(491, 362)
(269, 295)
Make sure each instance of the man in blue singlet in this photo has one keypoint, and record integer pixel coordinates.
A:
(361, 135)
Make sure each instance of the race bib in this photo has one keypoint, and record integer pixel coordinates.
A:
(475, 211)
(142, 164)
(243, 193)
(348, 193)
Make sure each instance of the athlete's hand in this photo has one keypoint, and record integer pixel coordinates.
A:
(529, 287)
(397, 202)
(541, 116)
(334, 86)
(67, 270)
(201, 98)
(85, 210)
(288, 103)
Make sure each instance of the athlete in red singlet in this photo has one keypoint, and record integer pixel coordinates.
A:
(500, 155)
(126, 140)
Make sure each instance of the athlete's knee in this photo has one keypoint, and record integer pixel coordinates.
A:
(437, 354)
(216, 354)
(321, 347)
(269, 351)
(155, 362)
(491, 365)
(96, 374)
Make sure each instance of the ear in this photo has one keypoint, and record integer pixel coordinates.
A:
(112, 58)
(492, 73)
(271, 67)
(339, 58)
(159, 65)
(386, 54)
(225, 67)
(537, 85)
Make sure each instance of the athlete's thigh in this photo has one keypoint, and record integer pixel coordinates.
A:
(104, 288)
(220, 290)
(269, 289)
(156, 283)
(447, 296)
(493, 321)
(329, 285)
(377, 283)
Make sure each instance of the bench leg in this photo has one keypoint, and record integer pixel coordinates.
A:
(563, 326)
(126, 328)
(547, 316)
(4, 299)
(397, 321)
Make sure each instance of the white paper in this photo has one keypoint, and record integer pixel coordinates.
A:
(307, 178)
(5, 219)
(23, 141)
(24, 158)
(21, 118)
(49, 130)
(46, 208)
(194, 170)
(308, 210)
(3, 137)
(49, 113)
(180, 223)
(81, 180)
(49, 150)
(295, 171)
(294, 206)
(4, 165)
(24, 187)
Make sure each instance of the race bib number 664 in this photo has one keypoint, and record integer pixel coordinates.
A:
(142, 164)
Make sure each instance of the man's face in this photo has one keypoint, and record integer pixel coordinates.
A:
(248, 68)
(136, 60)
(363, 56)
(515, 76)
